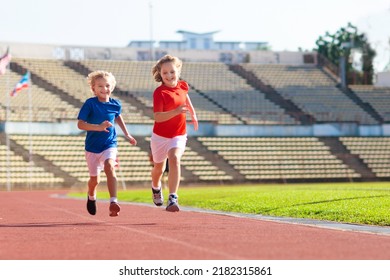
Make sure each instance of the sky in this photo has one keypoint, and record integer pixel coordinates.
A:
(286, 25)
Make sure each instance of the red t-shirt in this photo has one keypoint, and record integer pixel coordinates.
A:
(166, 99)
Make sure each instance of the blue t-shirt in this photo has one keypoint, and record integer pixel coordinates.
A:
(95, 112)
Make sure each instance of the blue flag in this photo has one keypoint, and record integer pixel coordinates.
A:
(23, 83)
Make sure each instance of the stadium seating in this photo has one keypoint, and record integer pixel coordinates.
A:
(136, 78)
(45, 106)
(312, 90)
(233, 94)
(23, 172)
(73, 84)
(378, 98)
(220, 96)
(67, 153)
(284, 158)
(374, 151)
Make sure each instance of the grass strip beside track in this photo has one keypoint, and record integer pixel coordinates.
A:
(365, 203)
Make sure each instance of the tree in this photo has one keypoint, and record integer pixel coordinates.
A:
(340, 45)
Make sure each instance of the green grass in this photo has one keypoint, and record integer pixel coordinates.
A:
(358, 203)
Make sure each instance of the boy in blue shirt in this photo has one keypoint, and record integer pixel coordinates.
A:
(97, 116)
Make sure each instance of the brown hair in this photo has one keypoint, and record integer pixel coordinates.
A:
(166, 58)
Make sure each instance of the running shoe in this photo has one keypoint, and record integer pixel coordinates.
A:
(173, 204)
(114, 209)
(91, 206)
(158, 198)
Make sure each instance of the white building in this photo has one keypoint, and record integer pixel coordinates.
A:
(230, 51)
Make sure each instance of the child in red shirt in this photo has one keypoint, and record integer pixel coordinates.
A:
(170, 105)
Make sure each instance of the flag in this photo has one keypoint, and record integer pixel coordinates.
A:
(23, 83)
(4, 60)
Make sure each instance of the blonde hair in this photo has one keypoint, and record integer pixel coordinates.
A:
(93, 76)
(166, 58)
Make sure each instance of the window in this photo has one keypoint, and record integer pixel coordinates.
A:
(143, 55)
(192, 43)
(206, 43)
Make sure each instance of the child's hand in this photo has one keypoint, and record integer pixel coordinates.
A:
(131, 139)
(182, 109)
(195, 123)
(104, 125)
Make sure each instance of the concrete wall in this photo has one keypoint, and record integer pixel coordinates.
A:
(209, 129)
(382, 79)
(108, 53)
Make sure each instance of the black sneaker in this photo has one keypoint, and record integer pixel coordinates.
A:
(91, 206)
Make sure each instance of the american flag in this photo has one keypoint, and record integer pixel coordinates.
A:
(4, 60)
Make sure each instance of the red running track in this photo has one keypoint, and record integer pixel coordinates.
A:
(41, 226)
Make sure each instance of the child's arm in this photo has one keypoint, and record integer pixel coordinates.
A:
(119, 120)
(192, 112)
(93, 127)
(164, 116)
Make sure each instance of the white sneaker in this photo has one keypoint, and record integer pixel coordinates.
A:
(114, 209)
(158, 197)
(173, 204)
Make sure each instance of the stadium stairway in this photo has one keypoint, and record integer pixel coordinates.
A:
(39, 161)
(219, 162)
(41, 82)
(124, 95)
(364, 105)
(331, 71)
(272, 95)
(353, 161)
(211, 100)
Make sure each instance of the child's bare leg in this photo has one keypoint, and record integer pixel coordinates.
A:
(174, 175)
(109, 169)
(157, 173)
(91, 201)
(92, 186)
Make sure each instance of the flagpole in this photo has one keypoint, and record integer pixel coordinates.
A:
(4, 65)
(30, 150)
(23, 83)
(7, 140)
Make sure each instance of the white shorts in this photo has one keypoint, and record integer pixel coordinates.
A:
(161, 145)
(95, 162)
